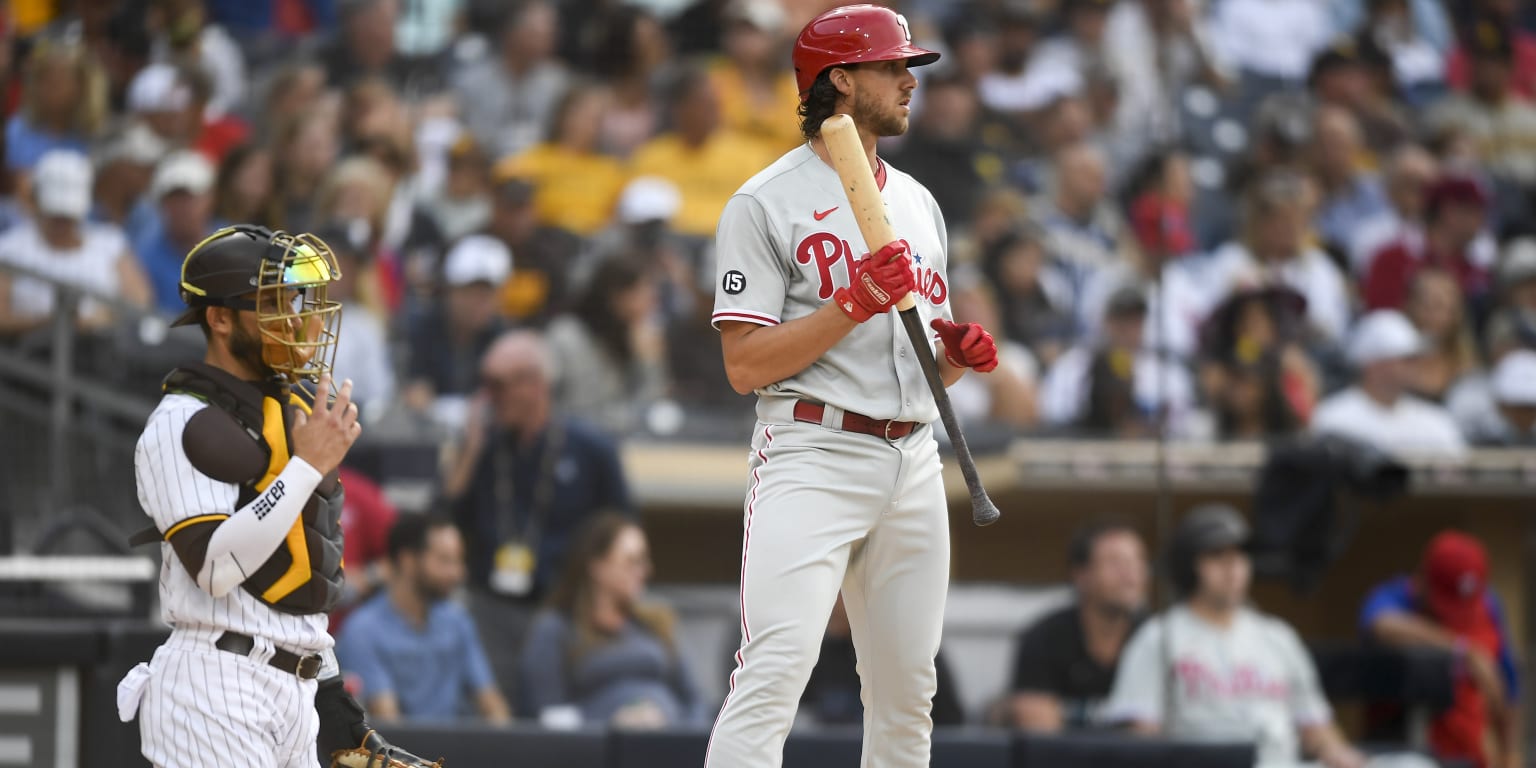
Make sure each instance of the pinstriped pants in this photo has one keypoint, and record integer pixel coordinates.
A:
(828, 511)
(203, 706)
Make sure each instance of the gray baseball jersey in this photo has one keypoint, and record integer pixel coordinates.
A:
(788, 239)
(1252, 681)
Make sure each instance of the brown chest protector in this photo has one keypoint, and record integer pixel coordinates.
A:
(243, 438)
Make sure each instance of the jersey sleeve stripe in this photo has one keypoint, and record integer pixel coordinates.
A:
(747, 315)
(193, 521)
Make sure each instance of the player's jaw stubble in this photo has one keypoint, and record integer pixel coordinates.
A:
(872, 113)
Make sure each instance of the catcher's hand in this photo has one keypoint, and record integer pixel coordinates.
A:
(375, 752)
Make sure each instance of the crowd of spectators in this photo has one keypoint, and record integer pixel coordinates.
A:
(1176, 216)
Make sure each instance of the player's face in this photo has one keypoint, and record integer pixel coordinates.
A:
(623, 572)
(1224, 578)
(440, 567)
(1116, 574)
(882, 96)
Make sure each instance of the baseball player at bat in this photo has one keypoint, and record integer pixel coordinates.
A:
(237, 469)
(845, 486)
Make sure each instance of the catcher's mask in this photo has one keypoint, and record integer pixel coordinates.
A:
(284, 279)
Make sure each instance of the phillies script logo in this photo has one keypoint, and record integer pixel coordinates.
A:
(826, 250)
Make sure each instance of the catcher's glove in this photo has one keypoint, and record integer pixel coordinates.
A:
(375, 752)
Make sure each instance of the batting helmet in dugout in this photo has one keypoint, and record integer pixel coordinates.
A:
(854, 34)
(1207, 528)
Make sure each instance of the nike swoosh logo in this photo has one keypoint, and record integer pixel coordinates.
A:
(823, 214)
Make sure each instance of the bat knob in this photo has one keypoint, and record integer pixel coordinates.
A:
(983, 511)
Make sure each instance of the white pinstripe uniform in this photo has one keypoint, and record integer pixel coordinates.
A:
(198, 705)
(831, 509)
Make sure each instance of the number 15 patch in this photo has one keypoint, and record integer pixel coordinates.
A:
(734, 282)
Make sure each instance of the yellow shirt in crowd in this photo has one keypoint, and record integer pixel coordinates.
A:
(706, 176)
(773, 121)
(575, 191)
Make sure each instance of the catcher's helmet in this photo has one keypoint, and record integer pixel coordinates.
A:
(850, 35)
(1207, 528)
(281, 277)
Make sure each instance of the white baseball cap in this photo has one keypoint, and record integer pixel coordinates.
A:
(158, 88)
(62, 183)
(649, 198)
(136, 144)
(478, 259)
(182, 170)
(1384, 335)
(1514, 378)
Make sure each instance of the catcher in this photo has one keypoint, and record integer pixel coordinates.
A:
(237, 468)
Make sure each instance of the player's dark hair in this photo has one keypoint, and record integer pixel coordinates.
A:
(1085, 539)
(410, 533)
(819, 104)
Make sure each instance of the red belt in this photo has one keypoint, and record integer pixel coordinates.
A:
(889, 429)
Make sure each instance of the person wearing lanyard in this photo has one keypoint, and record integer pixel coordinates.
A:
(522, 482)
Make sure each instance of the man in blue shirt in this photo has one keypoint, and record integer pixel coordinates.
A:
(413, 652)
(182, 193)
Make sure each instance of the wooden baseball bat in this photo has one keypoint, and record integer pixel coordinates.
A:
(841, 137)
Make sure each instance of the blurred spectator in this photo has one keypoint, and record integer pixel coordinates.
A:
(1343, 77)
(1085, 233)
(1436, 310)
(1064, 663)
(1408, 173)
(364, 45)
(1007, 397)
(1060, 65)
(303, 152)
(412, 650)
(1501, 411)
(699, 27)
(1256, 376)
(294, 91)
(1237, 674)
(1455, 213)
(1162, 49)
(575, 186)
(1461, 67)
(629, 55)
(61, 244)
(125, 164)
(545, 255)
(1273, 249)
(507, 99)
(520, 485)
(362, 353)
(943, 150)
(1491, 113)
(182, 191)
(358, 194)
(366, 519)
(161, 97)
(602, 648)
(1379, 409)
(1413, 35)
(1033, 301)
(424, 30)
(1271, 39)
(758, 97)
(446, 346)
(63, 105)
(1448, 605)
(245, 185)
(1350, 194)
(832, 695)
(182, 33)
(1118, 387)
(1002, 86)
(610, 352)
(707, 161)
(463, 205)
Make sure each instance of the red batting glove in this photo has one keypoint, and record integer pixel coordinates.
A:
(878, 283)
(966, 345)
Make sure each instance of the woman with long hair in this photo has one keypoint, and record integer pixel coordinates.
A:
(628, 53)
(63, 105)
(244, 187)
(1436, 308)
(609, 351)
(598, 646)
(575, 185)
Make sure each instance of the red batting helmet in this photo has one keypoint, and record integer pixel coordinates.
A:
(853, 34)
